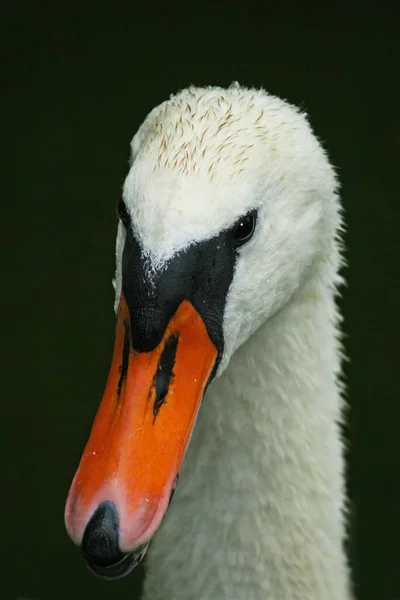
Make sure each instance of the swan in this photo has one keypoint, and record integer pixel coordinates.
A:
(228, 257)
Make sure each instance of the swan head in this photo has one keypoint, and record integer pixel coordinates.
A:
(229, 205)
(205, 159)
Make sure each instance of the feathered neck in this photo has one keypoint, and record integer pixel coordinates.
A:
(258, 513)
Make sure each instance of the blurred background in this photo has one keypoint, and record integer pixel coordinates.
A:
(77, 81)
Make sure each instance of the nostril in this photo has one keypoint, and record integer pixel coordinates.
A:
(100, 543)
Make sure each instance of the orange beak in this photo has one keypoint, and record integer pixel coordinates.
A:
(142, 428)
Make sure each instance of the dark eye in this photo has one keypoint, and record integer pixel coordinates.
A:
(122, 213)
(244, 229)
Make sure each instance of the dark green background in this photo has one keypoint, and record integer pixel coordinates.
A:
(78, 82)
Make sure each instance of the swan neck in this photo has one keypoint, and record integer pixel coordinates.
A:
(259, 509)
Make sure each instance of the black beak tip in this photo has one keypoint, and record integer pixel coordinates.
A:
(119, 569)
(100, 545)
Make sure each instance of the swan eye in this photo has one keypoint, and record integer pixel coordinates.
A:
(122, 213)
(244, 229)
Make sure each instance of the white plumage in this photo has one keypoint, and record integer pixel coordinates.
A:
(258, 513)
